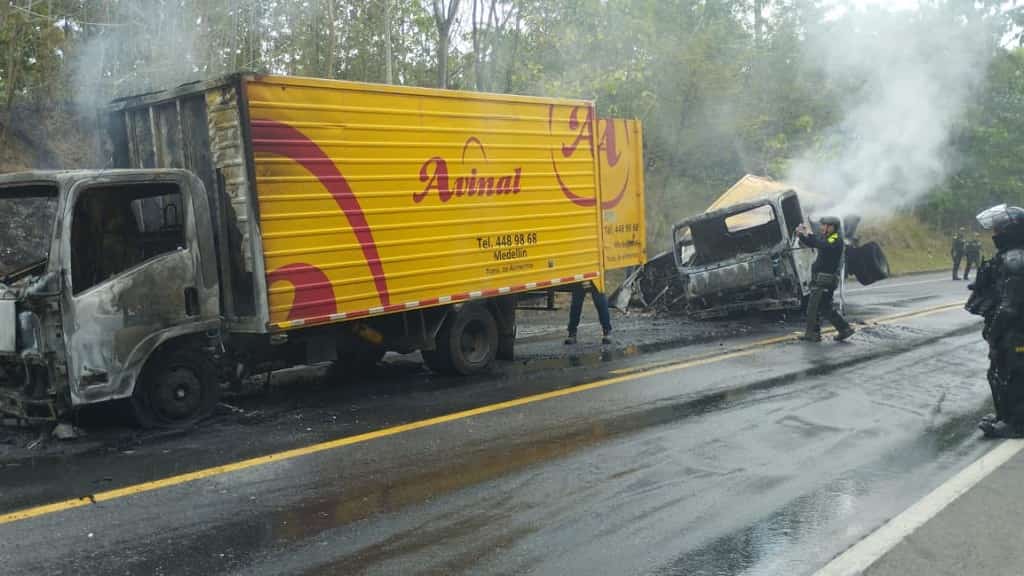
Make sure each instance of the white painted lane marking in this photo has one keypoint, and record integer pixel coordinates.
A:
(863, 554)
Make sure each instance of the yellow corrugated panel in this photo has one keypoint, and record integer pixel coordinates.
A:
(379, 198)
(621, 152)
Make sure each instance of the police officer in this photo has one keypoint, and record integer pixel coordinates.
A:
(956, 252)
(972, 250)
(825, 279)
(998, 295)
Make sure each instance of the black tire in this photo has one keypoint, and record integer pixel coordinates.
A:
(868, 263)
(362, 358)
(436, 361)
(356, 358)
(467, 343)
(177, 388)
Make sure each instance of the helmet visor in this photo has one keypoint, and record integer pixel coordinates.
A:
(993, 217)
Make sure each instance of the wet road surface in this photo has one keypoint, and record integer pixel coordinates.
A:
(729, 457)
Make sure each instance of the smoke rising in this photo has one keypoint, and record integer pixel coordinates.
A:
(139, 49)
(904, 82)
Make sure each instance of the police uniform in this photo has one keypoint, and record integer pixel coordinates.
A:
(956, 252)
(972, 250)
(998, 296)
(825, 279)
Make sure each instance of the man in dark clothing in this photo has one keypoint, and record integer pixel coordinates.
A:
(998, 296)
(972, 250)
(825, 279)
(579, 292)
(956, 252)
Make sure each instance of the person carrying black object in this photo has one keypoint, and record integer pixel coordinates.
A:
(956, 252)
(972, 250)
(824, 279)
(579, 292)
(997, 294)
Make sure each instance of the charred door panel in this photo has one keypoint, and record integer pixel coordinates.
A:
(134, 254)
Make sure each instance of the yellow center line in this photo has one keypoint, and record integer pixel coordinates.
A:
(179, 479)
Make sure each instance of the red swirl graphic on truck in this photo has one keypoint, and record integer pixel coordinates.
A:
(608, 146)
(283, 140)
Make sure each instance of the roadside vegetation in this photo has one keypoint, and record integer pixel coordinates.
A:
(724, 87)
(911, 245)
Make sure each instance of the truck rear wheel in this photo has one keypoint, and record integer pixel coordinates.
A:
(176, 389)
(467, 343)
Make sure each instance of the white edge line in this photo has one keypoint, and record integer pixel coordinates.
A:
(863, 554)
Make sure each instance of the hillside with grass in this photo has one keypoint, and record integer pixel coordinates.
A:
(913, 246)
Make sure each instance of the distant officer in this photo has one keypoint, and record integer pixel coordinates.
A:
(825, 279)
(956, 252)
(998, 295)
(579, 292)
(972, 250)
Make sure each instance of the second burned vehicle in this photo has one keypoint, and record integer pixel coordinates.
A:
(743, 253)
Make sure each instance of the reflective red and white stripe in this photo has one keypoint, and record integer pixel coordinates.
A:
(413, 304)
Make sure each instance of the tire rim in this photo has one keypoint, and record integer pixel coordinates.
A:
(474, 343)
(177, 395)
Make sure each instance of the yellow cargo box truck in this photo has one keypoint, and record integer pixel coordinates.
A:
(257, 221)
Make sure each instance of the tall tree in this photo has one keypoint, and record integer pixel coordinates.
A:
(445, 14)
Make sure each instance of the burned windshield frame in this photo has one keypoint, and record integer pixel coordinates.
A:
(29, 236)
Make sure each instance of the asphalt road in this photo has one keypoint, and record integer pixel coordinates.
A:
(749, 455)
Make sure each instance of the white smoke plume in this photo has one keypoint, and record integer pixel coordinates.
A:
(906, 80)
(139, 47)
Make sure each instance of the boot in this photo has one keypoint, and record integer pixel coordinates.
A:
(606, 338)
(844, 333)
(570, 339)
(999, 429)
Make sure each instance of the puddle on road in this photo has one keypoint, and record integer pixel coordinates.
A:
(848, 508)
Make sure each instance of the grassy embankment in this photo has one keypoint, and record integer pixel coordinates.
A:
(913, 246)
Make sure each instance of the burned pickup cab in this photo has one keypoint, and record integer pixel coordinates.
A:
(745, 255)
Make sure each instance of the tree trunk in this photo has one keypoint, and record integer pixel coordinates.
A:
(442, 61)
(389, 74)
(332, 38)
(758, 22)
(444, 17)
(12, 72)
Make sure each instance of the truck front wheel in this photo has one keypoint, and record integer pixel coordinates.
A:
(176, 389)
(467, 343)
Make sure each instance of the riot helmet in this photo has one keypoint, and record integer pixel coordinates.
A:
(1006, 224)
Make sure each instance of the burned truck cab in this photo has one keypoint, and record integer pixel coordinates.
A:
(744, 257)
(99, 269)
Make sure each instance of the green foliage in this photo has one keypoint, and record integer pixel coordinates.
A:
(722, 85)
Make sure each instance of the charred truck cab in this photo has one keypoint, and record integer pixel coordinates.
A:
(123, 274)
(747, 256)
(257, 222)
(744, 257)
